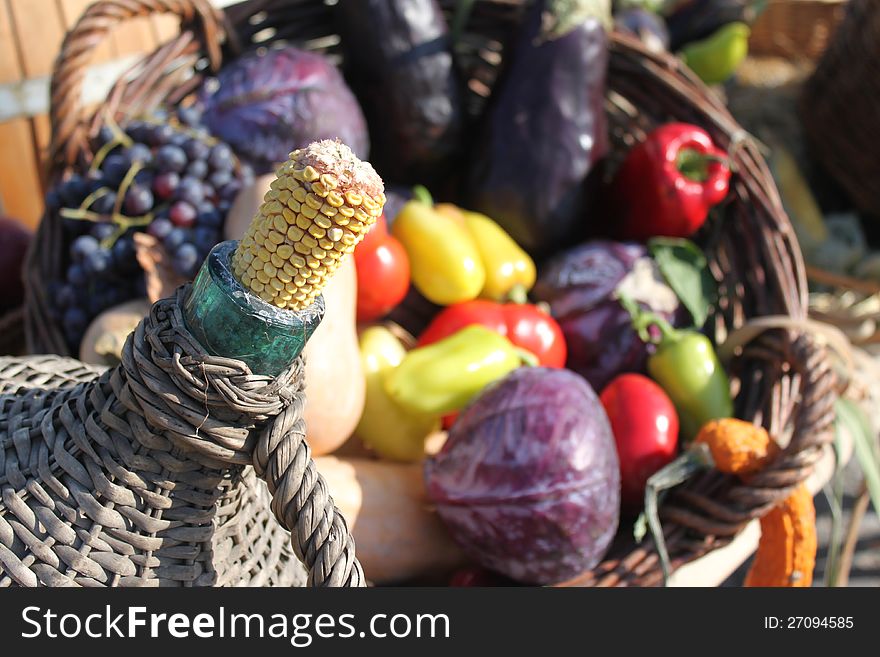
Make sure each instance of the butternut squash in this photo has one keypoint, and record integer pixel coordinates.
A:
(246, 204)
(398, 536)
(335, 383)
(103, 340)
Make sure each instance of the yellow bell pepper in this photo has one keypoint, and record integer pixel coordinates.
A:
(391, 431)
(510, 272)
(445, 263)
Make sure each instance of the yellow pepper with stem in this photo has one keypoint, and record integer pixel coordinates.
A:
(445, 264)
(444, 376)
(510, 271)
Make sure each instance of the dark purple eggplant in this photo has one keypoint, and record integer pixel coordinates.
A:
(545, 128)
(644, 24)
(692, 20)
(398, 60)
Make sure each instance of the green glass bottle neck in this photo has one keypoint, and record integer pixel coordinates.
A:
(230, 321)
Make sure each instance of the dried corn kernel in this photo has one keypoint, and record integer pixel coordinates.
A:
(322, 203)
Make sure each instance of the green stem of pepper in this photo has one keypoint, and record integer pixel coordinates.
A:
(518, 294)
(643, 320)
(694, 165)
(528, 358)
(695, 459)
(422, 195)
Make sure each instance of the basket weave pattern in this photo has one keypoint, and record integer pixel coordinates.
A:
(841, 106)
(141, 475)
(796, 29)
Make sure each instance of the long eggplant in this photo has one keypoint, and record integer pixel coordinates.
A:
(545, 127)
(398, 60)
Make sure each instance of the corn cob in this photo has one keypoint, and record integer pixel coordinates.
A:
(319, 207)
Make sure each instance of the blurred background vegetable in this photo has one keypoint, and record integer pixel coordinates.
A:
(399, 61)
(387, 428)
(644, 24)
(687, 368)
(267, 103)
(645, 427)
(668, 183)
(14, 242)
(444, 260)
(715, 58)
(525, 325)
(445, 375)
(545, 128)
(510, 272)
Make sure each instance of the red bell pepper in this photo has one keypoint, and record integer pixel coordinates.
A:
(525, 325)
(382, 273)
(668, 183)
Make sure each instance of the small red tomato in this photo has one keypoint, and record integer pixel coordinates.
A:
(536, 331)
(645, 427)
(377, 233)
(382, 273)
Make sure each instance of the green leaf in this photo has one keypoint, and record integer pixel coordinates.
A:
(853, 418)
(686, 271)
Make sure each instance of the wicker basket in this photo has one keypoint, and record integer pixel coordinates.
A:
(782, 379)
(796, 29)
(841, 106)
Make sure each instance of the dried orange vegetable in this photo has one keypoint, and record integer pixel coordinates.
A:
(737, 447)
(787, 550)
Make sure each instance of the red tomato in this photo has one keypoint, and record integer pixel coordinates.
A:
(377, 233)
(645, 427)
(536, 331)
(382, 273)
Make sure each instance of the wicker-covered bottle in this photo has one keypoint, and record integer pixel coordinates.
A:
(144, 475)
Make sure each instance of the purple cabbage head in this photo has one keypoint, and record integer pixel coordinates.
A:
(267, 104)
(528, 481)
(580, 287)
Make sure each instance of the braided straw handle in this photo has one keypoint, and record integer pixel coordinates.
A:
(66, 111)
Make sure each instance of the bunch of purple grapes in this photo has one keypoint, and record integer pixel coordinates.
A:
(182, 187)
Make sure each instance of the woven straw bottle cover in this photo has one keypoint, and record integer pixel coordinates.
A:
(121, 480)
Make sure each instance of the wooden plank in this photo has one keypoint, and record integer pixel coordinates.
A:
(165, 27)
(10, 65)
(71, 11)
(42, 131)
(134, 36)
(39, 30)
(19, 179)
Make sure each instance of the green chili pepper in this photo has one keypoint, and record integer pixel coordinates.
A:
(445, 375)
(687, 368)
